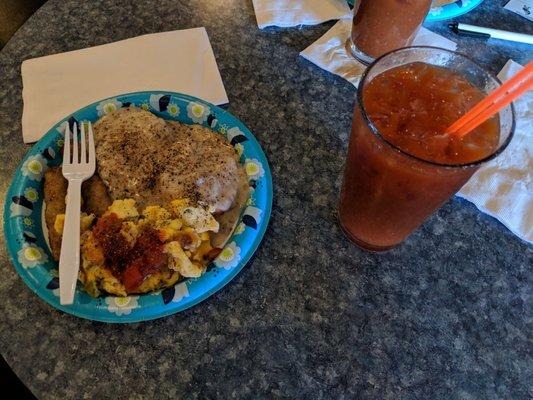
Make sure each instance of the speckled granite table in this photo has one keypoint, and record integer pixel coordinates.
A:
(444, 316)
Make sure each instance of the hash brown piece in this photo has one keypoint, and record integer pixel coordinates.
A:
(95, 200)
(55, 190)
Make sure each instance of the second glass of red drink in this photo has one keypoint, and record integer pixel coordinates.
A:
(380, 26)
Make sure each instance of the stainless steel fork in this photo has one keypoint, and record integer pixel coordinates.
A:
(77, 167)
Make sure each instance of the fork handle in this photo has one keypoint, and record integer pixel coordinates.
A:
(69, 262)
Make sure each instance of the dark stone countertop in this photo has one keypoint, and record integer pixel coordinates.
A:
(443, 316)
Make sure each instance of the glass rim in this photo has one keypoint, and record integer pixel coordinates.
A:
(376, 132)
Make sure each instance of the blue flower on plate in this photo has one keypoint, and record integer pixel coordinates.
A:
(252, 217)
(176, 293)
(62, 127)
(229, 257)
(198, 112)
(159, 102)
(235, 136)
(107, 106)
(121, 305)
(20, 206)
(30, 256)
(49, 153)
(70, 123)
(254, 169)
(29, 237)
(34, 167)
(53, 285)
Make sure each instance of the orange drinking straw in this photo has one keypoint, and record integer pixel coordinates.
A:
(494, 102)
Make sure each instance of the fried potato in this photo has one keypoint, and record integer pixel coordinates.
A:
(55, 190)
(95, 200)
(95, 197)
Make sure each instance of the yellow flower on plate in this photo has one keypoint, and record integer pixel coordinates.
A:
(229, 257)
(173, 109)
(107, 106)
(223, 129)
(197, 112)
(30, 256)
(121, 305)
(31, 194)
(253, 168)
(240, 228)
(34, 167)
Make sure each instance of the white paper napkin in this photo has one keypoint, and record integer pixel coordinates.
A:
(521, 7)
(287, 13)
(330, 52)
(57, 85)
(503, 188)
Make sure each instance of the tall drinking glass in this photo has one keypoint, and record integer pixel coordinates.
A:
(380, 26)
(388, 191)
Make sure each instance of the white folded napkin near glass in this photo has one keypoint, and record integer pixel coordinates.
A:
(57, 85)
(329, 52)
(286, 13)
(503, 187)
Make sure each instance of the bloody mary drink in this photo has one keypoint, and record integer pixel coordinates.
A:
(380, 26)
(401, 165)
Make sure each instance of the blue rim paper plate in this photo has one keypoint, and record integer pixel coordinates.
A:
(448, 11)
(452, 10)
(24, 225)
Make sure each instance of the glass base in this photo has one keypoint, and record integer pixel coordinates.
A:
(359, 55)
(361, 244)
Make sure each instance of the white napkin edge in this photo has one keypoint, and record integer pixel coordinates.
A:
(292, 17)
(333, 42)
(482, 201)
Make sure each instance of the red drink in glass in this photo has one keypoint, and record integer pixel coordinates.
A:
(400, 165)
(380, 26)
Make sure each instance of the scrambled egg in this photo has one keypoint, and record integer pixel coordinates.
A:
(85, 222)
(183, 232)
(123, 208)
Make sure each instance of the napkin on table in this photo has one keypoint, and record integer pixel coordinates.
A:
(330, 53)
(521, 7)
(55, 86)
(503, 188)
(285, 13)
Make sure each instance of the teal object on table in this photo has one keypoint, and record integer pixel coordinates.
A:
(25, 229)
(448, 11)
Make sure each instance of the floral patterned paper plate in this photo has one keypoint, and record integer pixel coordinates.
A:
(25, 230)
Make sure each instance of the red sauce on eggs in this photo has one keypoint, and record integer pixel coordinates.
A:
(130, 265)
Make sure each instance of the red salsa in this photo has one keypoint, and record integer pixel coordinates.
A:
(132, 265)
